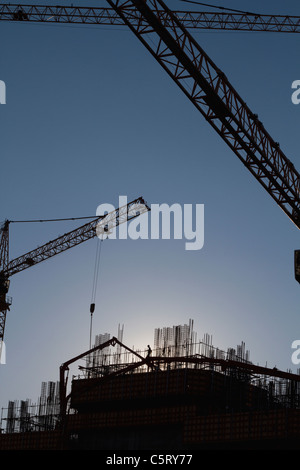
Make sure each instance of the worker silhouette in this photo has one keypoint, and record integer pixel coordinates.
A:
(149, 351)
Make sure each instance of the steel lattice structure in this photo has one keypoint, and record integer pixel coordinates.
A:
(96, 227)
(165, 34)
(189, 19)
(210, 91)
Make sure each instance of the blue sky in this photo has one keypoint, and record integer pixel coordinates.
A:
(91, 116)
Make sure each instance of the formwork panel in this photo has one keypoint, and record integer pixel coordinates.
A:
(140, 385)
(126, 418)
(44, 440)
(258, 425)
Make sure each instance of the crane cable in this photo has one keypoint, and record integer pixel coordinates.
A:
(95, 282)
(220, 8)
(52, 220)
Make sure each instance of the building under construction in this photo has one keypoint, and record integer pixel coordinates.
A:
(183, 395)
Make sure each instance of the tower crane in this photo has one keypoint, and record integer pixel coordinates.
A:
(100, 226)
(207, 87)
(233, 21)
(210, 91)
(166, 35)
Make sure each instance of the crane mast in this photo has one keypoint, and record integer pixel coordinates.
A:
(210, 91)
(189, 19)
(97, 227)
(5, 301)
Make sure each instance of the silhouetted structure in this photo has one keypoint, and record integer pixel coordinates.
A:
(186, 395)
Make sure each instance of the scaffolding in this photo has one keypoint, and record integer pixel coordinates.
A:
(24, 416)
(230, 377)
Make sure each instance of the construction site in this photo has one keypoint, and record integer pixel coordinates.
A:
(181, 393)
